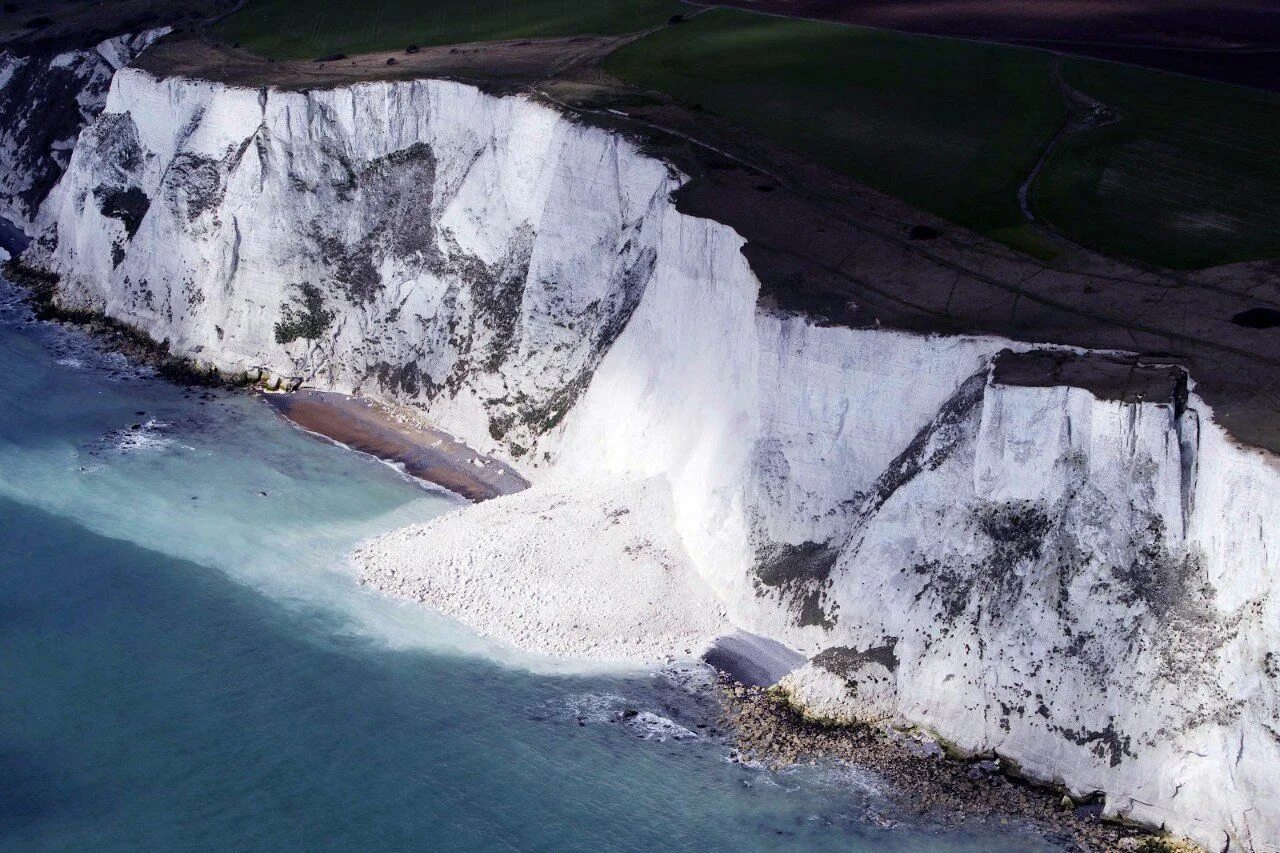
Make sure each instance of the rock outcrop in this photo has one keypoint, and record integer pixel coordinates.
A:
(44, 102)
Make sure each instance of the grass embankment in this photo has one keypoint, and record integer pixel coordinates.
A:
(1188, 178)
(307, 29)
(950, 126)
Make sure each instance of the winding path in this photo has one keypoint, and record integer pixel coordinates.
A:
(1084, 112)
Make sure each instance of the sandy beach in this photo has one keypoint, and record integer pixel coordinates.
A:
(426, 453)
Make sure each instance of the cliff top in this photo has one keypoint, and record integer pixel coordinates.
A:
(1108, 377)
(53, 26)
(512, 61)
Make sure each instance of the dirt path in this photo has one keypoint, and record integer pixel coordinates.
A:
(1084, 112)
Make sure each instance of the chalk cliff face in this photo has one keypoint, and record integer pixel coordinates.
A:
(1076, 573)
(44, 102)
(417, 241)
(1085, 586)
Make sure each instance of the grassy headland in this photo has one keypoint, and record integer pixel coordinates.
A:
(1189, 176)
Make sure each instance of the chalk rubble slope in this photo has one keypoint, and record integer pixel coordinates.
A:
(624, 592)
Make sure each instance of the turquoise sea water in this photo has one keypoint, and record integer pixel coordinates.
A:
(187, 662)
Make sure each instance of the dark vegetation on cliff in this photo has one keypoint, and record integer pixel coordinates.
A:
(307, 320)
(128, 205)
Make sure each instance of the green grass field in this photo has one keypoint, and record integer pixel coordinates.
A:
(1188, 178)
(307, 29)
(950, 126)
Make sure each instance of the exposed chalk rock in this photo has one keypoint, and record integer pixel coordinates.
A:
(843, 685)
(44, 102)
(366, 240)
(626, 592)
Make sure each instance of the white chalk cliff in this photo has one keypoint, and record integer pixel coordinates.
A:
(44, 102)
(1086, 586)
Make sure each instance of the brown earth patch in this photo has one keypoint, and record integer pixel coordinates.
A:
(1233, 41)
(193, 55)
(425, 452)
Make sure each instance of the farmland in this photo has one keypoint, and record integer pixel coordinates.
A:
(1232, 41)
(1189, 177)
(949, 126)
(307, 29)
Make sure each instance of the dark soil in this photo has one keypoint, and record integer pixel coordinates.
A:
(1232, 41)
(1107, 377)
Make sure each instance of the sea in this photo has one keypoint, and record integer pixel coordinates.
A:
(187, 661)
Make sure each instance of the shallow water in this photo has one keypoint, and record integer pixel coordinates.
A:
(189, 663)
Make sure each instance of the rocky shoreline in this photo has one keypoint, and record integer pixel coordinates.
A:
(41, 290)
(763, 725)
(426, 453)
(924, 780)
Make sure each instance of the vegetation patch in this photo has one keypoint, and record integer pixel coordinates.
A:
(405, 379)
(128, 205)
(802, 575)
(307, 319)
(305, 29)
(845, 662)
